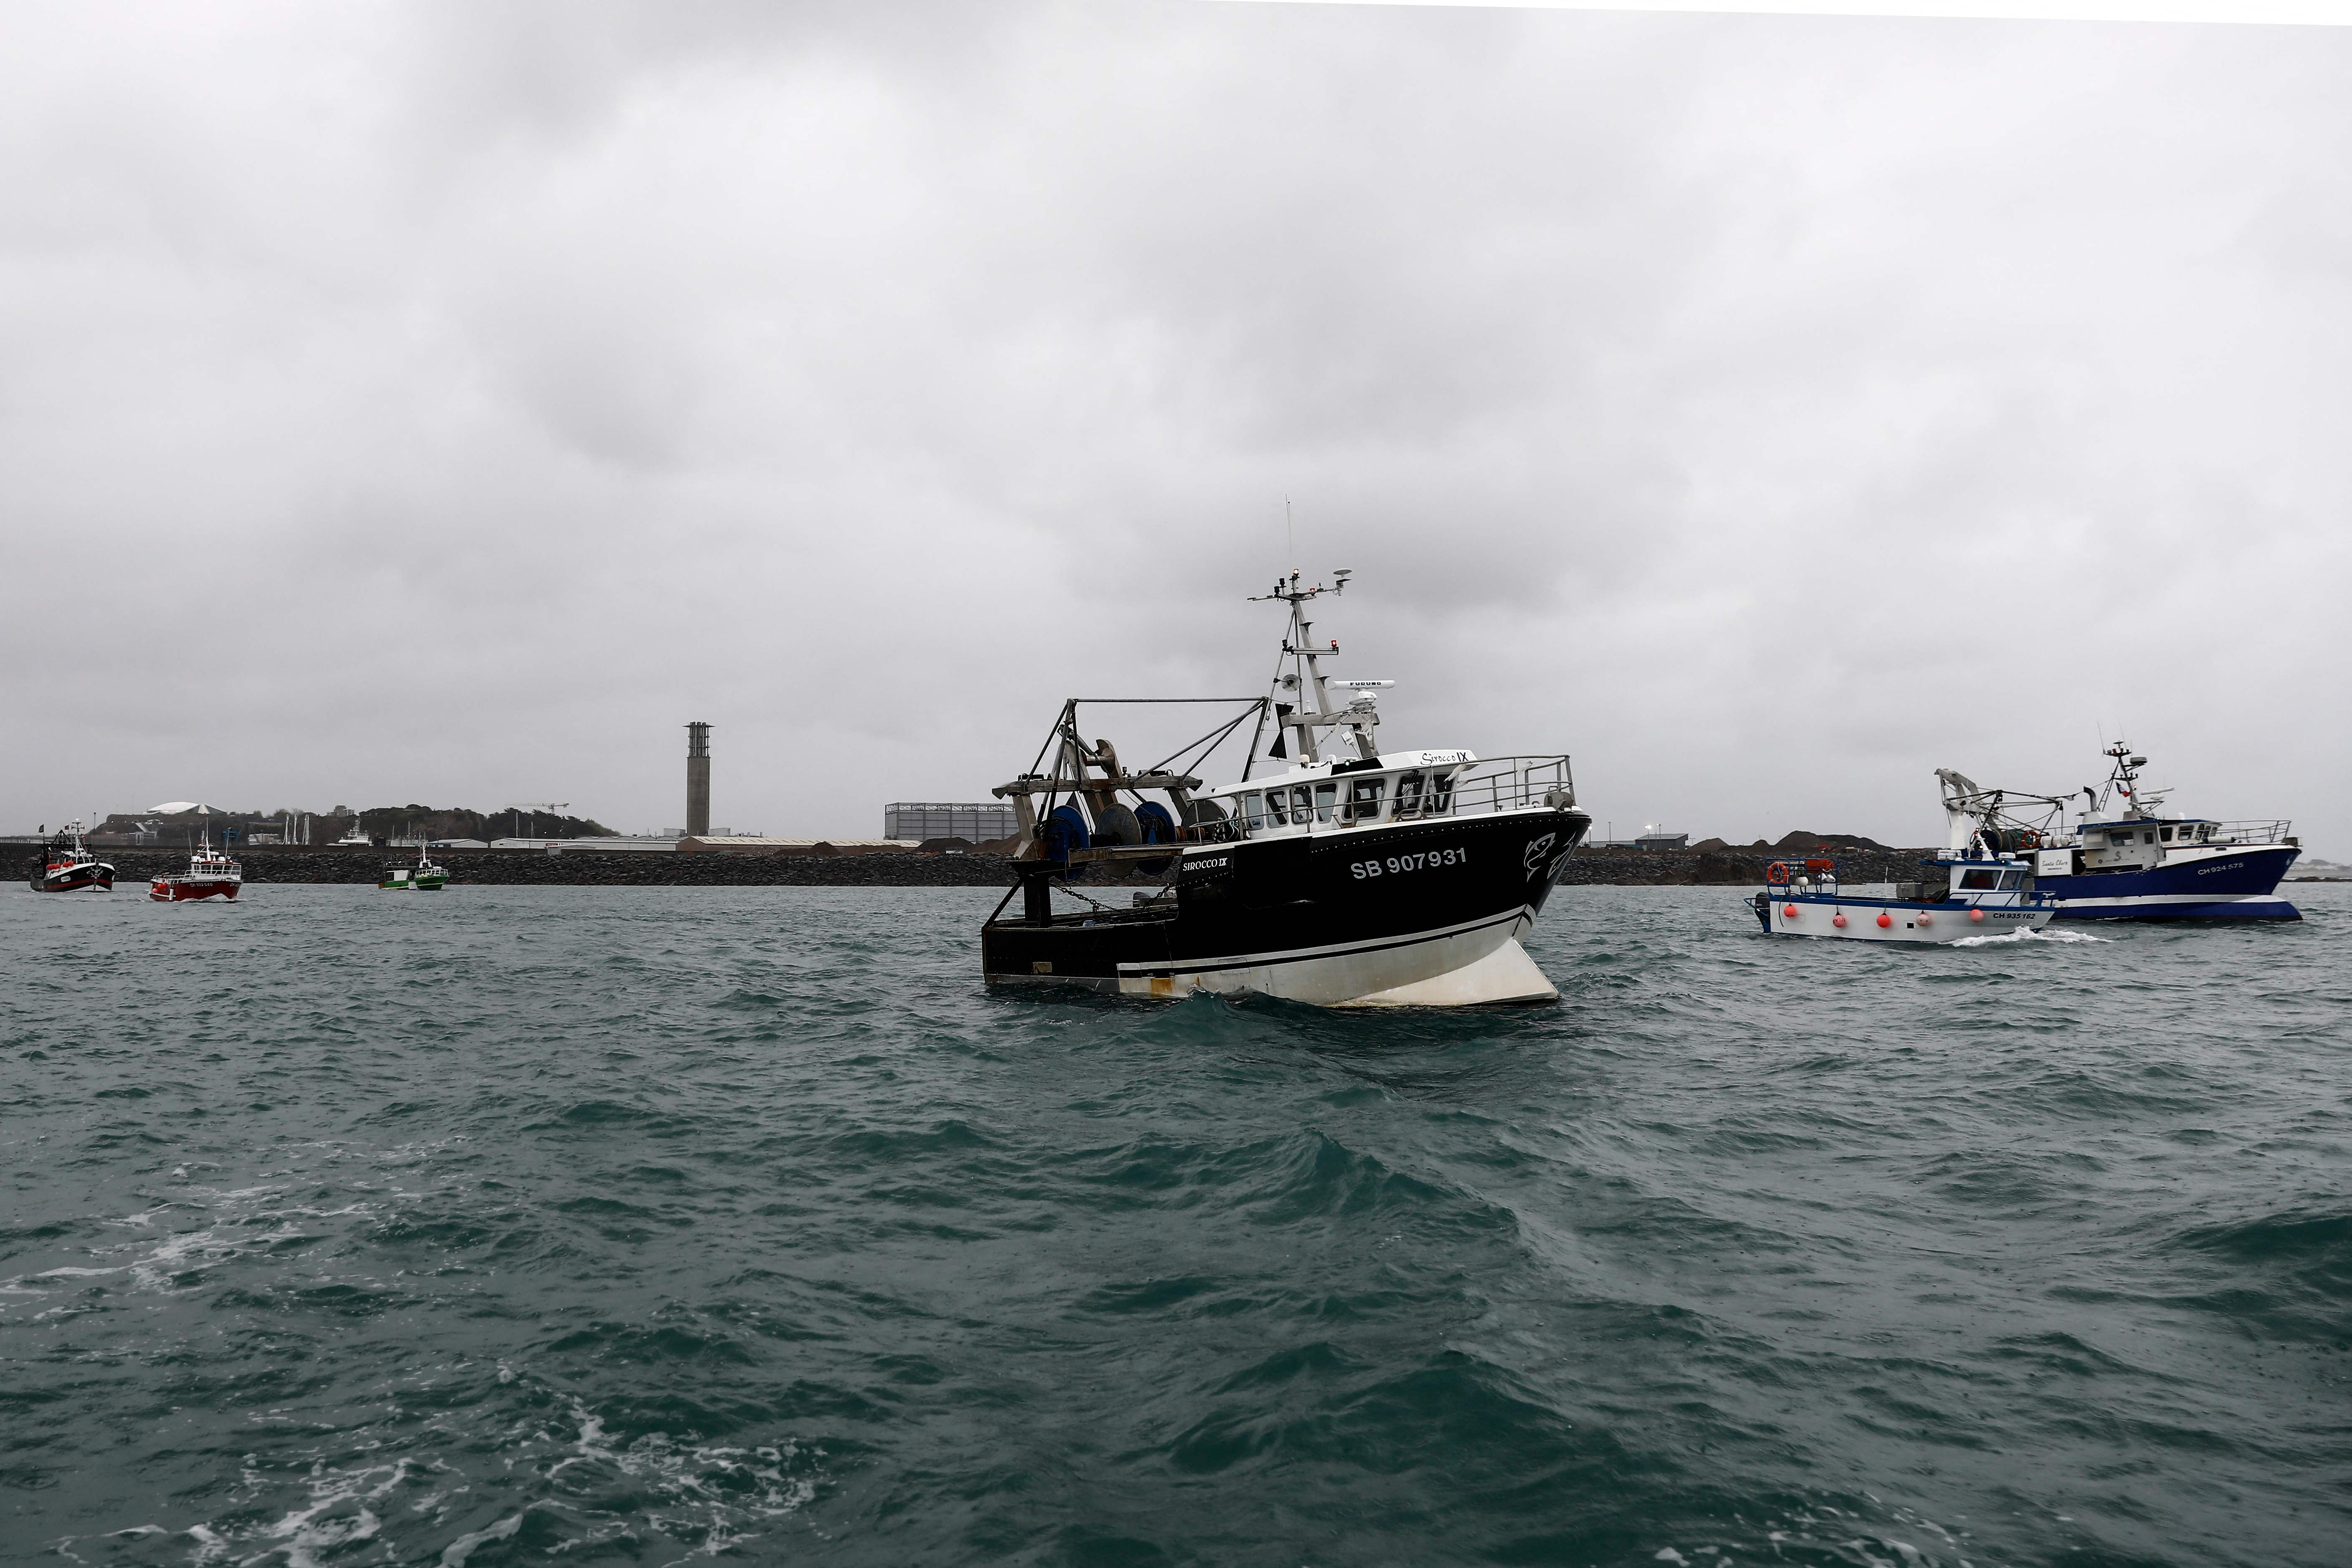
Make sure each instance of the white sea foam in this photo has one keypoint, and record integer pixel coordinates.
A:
(454, 1555)
(2019, 936)
(716, 1490)
(234, 1213)
(308, 1532)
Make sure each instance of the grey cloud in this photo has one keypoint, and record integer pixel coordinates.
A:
(1768, 410)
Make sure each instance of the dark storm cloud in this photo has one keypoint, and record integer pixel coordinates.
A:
(448, 403)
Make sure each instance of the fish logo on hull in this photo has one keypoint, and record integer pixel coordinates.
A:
(1533, 858)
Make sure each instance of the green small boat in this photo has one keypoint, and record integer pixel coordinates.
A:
(424, 876)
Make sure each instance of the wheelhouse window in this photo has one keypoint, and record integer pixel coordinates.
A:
(1326, 797)
(1251, 807)
(1408, 795)
(1438, 798)
(1302, 804)
(1978, 882)
(1364, 799)
(2168, 835)
(1274, 812)
(2011, 878)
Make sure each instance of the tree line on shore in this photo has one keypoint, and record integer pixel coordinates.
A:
(385, 821)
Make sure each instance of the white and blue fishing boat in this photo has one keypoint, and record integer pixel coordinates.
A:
(1973, 891)
(2126, 859)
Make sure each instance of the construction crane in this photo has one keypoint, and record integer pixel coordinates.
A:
(534, 808)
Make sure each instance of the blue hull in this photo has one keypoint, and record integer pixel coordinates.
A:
(2242, 885)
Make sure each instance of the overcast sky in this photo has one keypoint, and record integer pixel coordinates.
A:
(445, 404)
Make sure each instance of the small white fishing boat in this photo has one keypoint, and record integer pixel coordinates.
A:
(1973, 894)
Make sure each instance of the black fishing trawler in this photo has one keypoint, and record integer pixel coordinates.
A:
(66, 865)
(1351, 877)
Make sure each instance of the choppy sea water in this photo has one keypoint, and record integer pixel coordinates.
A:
(537, 1225)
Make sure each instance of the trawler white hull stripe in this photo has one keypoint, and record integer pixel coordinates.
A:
(2160, 901)
(1335, 950)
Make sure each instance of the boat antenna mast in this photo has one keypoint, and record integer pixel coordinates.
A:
(2123, 779)
(1310, 708)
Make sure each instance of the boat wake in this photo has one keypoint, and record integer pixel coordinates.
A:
(2023, 935)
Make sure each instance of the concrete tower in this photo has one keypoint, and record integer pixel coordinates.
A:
(697, 779)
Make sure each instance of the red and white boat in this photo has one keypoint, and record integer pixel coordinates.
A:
(210, 875)
(67, 865)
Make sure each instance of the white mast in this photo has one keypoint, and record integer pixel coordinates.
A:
(1311, 711)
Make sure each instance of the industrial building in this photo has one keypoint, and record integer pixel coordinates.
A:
(1653, 838)
(974, 822)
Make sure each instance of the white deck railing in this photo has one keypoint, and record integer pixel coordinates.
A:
(1443, 790)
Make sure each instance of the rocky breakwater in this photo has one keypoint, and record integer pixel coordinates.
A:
(1731, 868)
(588, 867)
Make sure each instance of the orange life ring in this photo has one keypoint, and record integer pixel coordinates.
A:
(1776, 873)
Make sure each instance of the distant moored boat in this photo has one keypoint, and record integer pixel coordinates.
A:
(424, 876)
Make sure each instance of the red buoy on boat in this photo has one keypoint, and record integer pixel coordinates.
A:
(1838, 920)
(1926, 918)
(1976, 915)
(1789, 910)
(1885, 920)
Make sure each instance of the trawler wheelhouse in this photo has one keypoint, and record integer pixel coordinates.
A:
(1350, 876)
(1401, 787)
